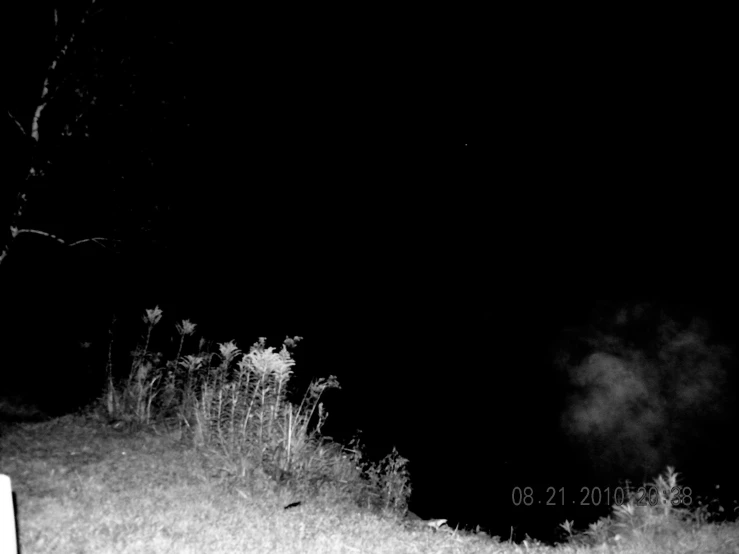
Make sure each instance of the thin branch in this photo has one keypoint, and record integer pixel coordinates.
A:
(18, 123)
(45, 90)
(96, 240)
(16, 232)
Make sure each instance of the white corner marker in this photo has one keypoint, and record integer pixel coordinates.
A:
(8, 543)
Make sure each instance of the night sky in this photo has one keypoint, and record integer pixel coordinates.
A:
(272, 178)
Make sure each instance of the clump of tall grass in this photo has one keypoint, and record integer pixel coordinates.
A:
(658, 512)
(385, 486)
(235, 406)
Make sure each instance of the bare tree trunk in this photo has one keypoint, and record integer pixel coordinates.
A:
(35, 170)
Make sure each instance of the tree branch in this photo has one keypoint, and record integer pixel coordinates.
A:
(18, 123)
(15, 232)
(45, 90)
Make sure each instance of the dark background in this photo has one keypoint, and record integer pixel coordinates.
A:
(429, 208)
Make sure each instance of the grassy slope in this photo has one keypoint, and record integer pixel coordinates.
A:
(82, 487)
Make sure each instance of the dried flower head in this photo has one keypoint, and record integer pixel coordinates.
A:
(186, 328)
(228, 350)
(152, 317)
